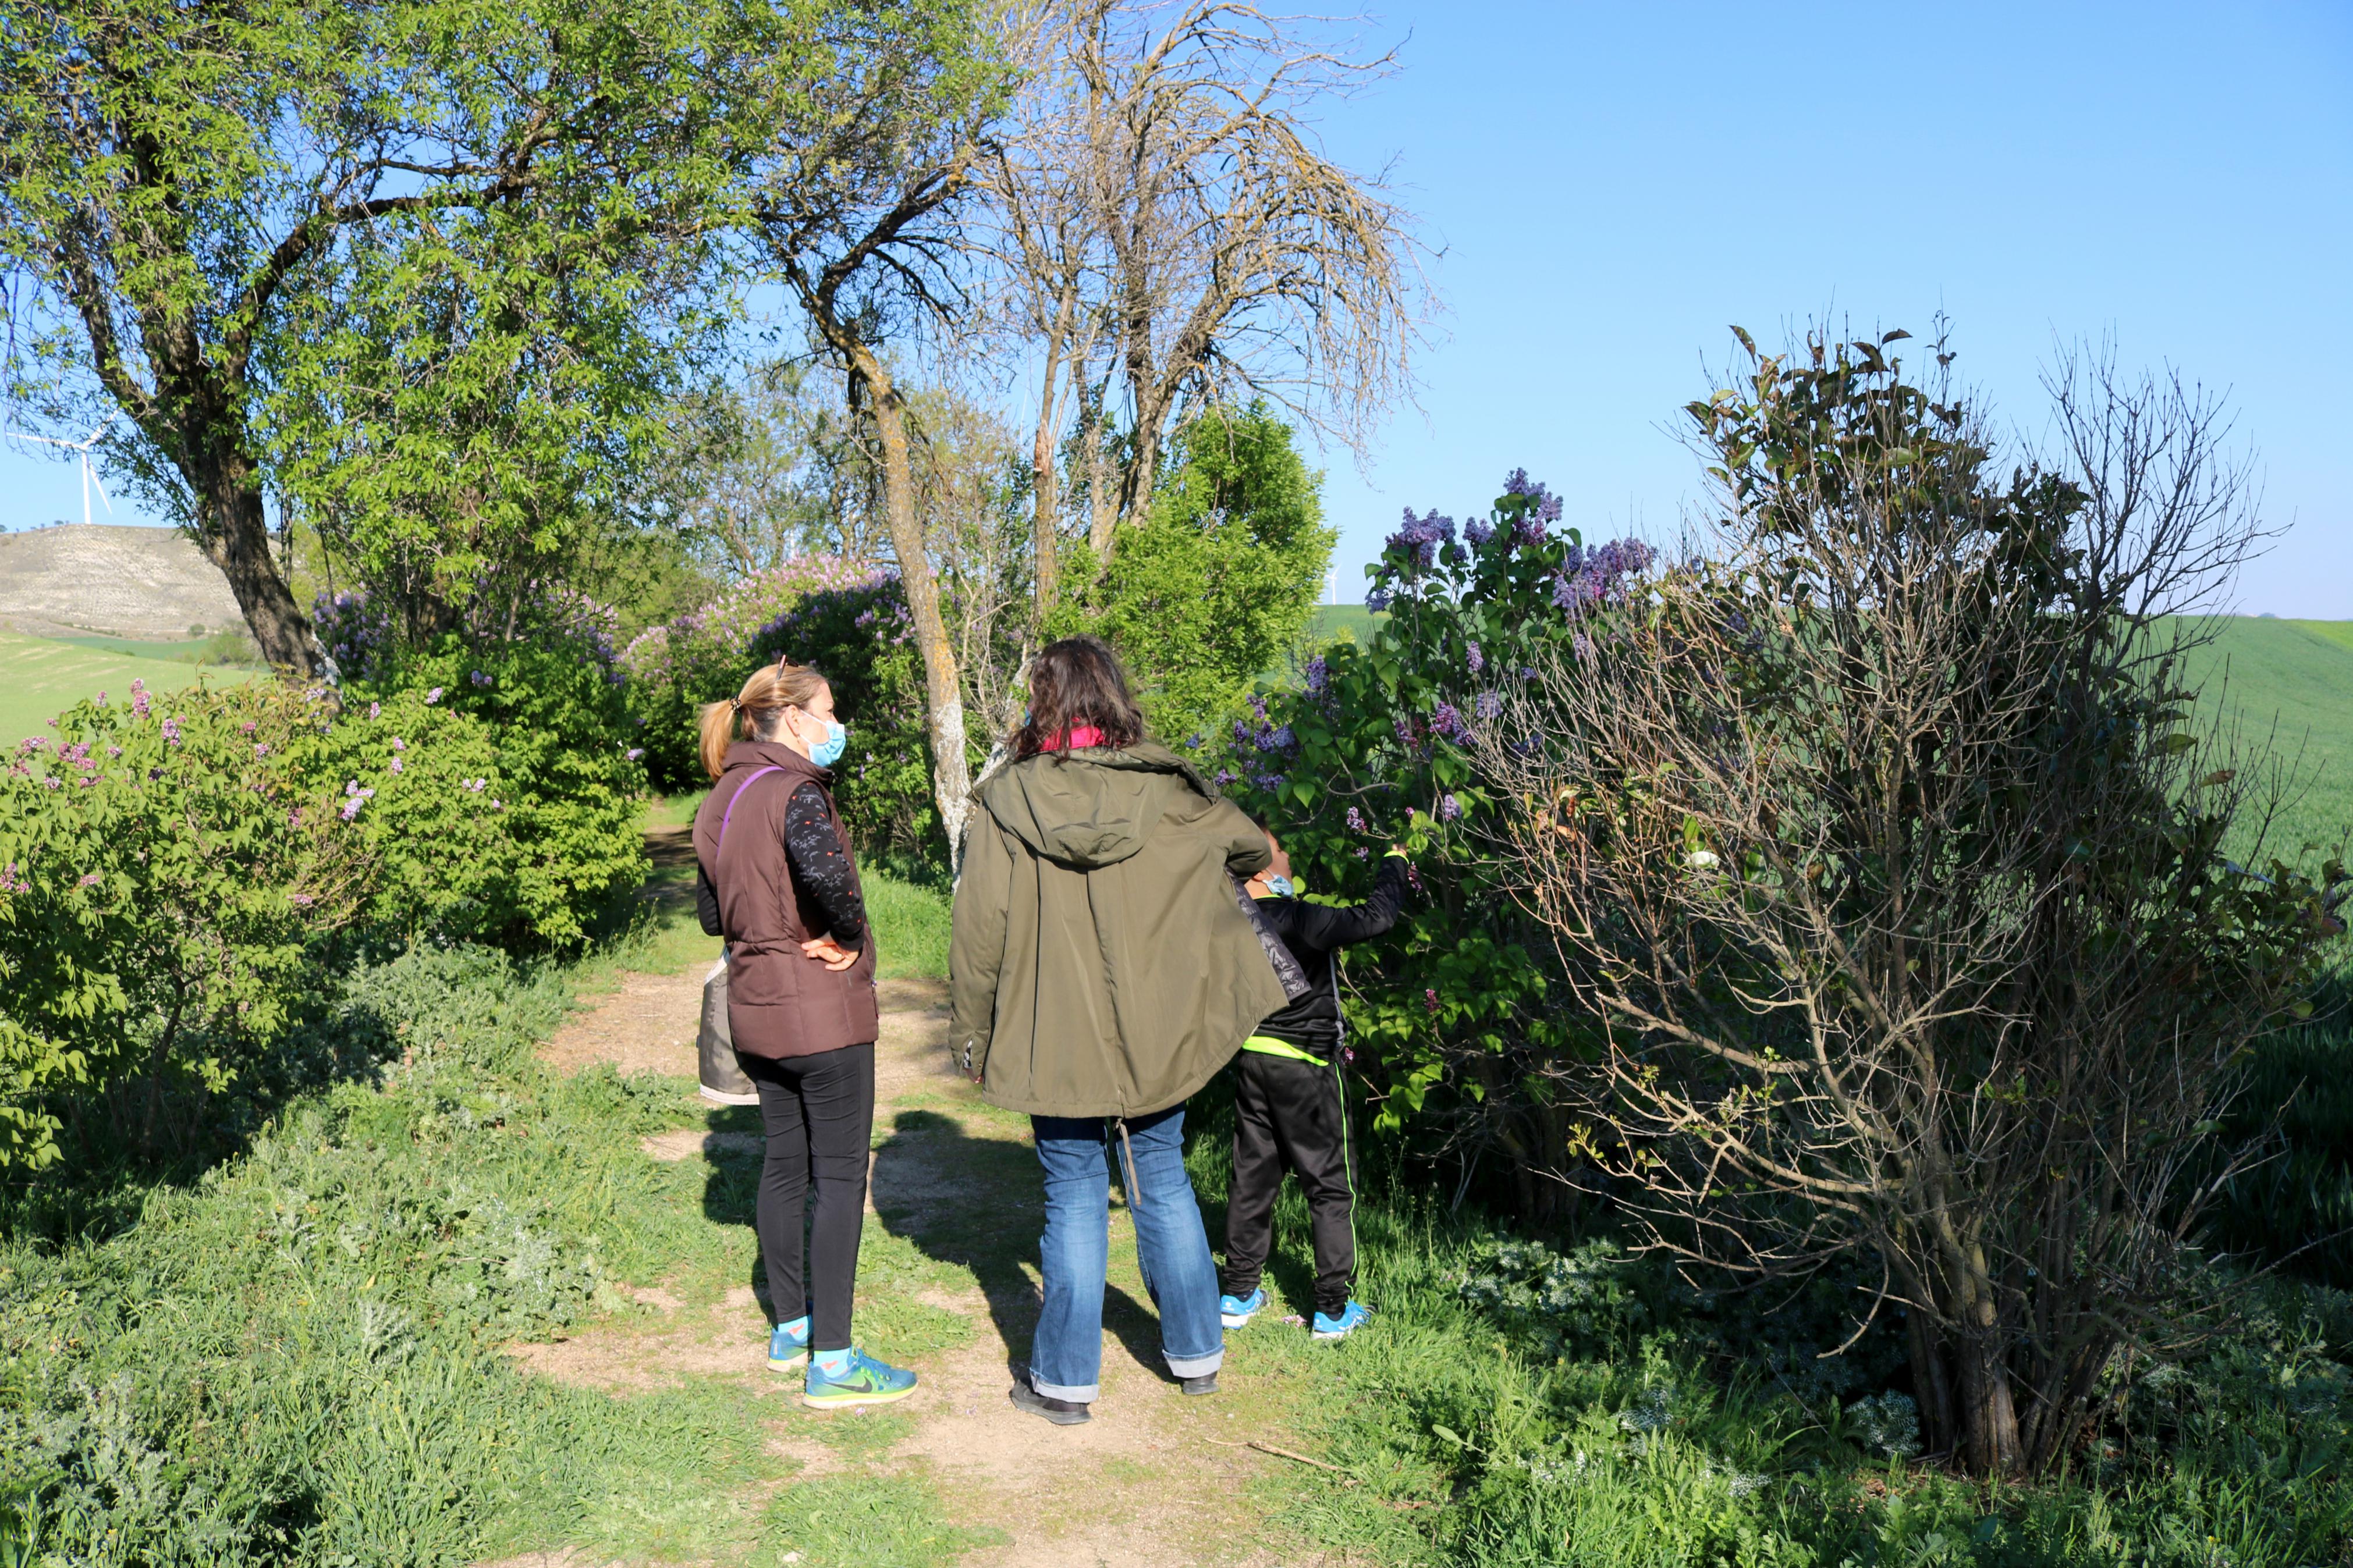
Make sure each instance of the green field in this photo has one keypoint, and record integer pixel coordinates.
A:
(2288, 685)
(1334, 622)
(40, 677)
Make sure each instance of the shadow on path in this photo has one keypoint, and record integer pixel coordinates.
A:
(974, 1204)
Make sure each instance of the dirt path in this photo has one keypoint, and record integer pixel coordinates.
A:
(1156, 1479)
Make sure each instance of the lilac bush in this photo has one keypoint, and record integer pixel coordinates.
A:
(743, 611)
(1372, 747)
(366, 636)
(704, 655)
(848, 618)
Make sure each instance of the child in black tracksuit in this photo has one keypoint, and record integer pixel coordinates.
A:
(1289, 1109)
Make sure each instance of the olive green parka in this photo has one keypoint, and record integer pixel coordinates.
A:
(1100, 964)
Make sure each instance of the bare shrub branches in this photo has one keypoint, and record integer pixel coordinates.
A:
(1172, 228)
(1885, 851)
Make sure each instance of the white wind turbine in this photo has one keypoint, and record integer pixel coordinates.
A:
(88, 471)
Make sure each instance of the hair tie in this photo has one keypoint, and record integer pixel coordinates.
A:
(735, 705)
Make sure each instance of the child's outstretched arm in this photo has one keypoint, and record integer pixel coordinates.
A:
(1325, 928)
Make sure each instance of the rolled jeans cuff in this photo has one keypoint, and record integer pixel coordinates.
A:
(1077, 1393)
(1187, 1365)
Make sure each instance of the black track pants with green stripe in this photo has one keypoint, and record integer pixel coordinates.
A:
(1289, 1115)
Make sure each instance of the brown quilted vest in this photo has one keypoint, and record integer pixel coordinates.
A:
(780, 1002)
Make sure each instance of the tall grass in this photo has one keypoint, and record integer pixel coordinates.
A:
(1512, 1405)
(295, 1357)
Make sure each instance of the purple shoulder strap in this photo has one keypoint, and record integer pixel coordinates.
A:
(726, 815)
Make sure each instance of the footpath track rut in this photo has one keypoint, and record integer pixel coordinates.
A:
(1155, 1479)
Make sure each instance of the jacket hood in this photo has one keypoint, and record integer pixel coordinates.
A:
(1091, 808)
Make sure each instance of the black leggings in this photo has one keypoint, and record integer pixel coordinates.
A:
(819, 1115)
(1289, 1114)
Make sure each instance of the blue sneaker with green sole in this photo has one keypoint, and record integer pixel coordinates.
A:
(1234, 1311)
(787, 1350)
(864, 1381)
(1351, 1318)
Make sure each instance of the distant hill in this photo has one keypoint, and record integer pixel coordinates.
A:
(149, 583)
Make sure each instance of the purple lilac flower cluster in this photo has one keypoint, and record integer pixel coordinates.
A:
(1418, 539)
(354, 797)
(750, 609)
(357, 632)
(360, 631)
(1267, 739)
(885, 615)
(1589, 577)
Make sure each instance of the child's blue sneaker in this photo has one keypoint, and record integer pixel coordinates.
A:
(861, 1380)
(1235, 1310)
(788, 1346)
(1352, 1317)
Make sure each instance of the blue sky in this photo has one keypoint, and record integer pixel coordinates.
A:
(1612, 185)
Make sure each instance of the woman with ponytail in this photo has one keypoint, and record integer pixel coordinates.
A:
(776, 878)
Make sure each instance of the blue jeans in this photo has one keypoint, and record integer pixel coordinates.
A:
(1066, 1357)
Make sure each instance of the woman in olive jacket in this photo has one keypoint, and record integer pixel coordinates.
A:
(1101, 969)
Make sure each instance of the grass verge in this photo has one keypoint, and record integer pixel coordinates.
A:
(299, 1356)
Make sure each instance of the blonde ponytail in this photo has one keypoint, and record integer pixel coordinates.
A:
(752, 713)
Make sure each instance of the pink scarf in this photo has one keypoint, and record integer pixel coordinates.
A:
(1078, 737)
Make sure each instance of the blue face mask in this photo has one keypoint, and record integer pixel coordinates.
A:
(1280, 888)
(828, 752)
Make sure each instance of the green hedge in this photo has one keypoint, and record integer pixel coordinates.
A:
(180, 877)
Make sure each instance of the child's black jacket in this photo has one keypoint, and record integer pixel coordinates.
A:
(1311, 932)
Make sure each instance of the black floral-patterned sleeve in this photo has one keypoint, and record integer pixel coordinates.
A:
(822, 867)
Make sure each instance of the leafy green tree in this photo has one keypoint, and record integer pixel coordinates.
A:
(1216, 584)
(416, 268)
